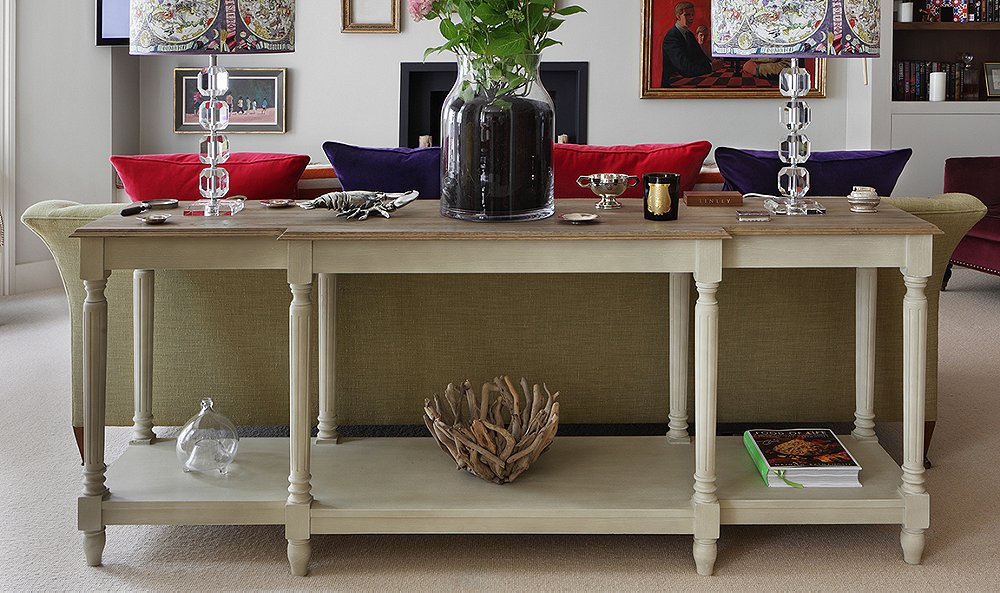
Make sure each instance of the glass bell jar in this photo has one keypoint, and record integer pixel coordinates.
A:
(208, 442)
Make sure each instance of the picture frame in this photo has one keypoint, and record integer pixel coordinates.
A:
(726, 82)
(991, 71)
(262, 89)
(112, 22)
(369, 16)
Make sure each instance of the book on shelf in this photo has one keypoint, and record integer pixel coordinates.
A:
(802, 458)
(912, 80)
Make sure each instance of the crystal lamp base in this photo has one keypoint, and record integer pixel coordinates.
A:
(792, 207)
(218, 208)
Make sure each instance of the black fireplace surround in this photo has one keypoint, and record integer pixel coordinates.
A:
(424, 86)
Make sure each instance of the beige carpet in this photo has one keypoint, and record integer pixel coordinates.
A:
(40, 548)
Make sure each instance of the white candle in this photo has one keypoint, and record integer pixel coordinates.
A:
(906, 12)
(936, 88)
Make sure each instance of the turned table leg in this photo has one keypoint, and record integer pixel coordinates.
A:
(95, 362)
(917, 502)
(297, 507)
(706, 503)
(327, 430)
(142, 344)
(680, 308)
(864, 354)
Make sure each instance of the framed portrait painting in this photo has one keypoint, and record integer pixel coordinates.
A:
(682, 65)
(256, 99)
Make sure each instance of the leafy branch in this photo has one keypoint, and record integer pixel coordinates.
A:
(497, 36)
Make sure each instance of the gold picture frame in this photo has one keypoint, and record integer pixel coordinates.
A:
(658, 17)
(348, 24)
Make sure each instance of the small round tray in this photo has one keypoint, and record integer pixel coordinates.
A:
(153, 218)
(580, 218)
(282, 203)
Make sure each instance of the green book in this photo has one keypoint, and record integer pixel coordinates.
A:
(802, 458)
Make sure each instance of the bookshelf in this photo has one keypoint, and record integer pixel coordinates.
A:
(926, 46)
(934, 130)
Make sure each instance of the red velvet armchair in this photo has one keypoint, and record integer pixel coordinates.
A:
(979, 176)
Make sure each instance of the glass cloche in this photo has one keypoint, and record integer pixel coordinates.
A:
(208, 442)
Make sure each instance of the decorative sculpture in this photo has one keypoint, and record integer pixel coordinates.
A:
(497, 435)
(357, 205)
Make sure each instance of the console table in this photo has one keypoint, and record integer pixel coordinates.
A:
(658, 485)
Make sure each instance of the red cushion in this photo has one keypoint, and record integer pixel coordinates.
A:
(570, 161)
(256, 175)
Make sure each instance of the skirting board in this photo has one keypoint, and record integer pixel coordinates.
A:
(39, 275)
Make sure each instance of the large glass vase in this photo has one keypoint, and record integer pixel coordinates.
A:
(497, 127)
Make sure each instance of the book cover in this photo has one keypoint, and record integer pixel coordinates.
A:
(801, 448)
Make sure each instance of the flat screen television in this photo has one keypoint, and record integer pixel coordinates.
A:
(112, 22)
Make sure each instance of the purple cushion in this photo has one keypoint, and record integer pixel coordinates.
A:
(830, 173)
(387, 169)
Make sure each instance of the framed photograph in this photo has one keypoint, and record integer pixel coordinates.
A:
(369, 16)
(728, 78)
(256, 101)
(992, 70)
(112, 22)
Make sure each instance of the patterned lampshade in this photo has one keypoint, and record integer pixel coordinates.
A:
(795, 28)
(211, 26)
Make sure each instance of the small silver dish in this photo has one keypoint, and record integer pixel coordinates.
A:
(280, 203)
(153, 218)
(580, 217)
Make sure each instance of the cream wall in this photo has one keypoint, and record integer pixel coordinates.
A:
(63, 120)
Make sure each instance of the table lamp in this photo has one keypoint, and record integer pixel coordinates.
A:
(212, 27)
(795, 29)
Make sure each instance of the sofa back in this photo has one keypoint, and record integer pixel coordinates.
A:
(977, 175)
(224, 334)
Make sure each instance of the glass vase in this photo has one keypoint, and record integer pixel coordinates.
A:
(497, 128)
(208, 442)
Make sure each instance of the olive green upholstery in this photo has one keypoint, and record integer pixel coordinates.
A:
(600, 339)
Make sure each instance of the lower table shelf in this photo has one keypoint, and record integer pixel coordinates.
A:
(408, 485)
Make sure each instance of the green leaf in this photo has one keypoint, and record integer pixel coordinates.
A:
(465, 11)
(570, 10)
(488, 15)
(553, 24)
(506, 46)
(548, 43)
(448, 29)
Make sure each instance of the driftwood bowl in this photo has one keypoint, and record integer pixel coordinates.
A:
(500, 433)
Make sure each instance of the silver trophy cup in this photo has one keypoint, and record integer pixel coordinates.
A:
(608, 186)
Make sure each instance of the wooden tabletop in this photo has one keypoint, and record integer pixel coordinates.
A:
(838, 220)
(422, 220)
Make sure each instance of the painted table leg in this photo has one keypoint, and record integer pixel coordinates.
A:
(95, 363)
(864, 354)
(680, 308)
(327, 432)
(917, 511)
(297, 507)
(706, 503)
(142, 328)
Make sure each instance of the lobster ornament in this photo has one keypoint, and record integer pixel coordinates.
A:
(357, 205)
